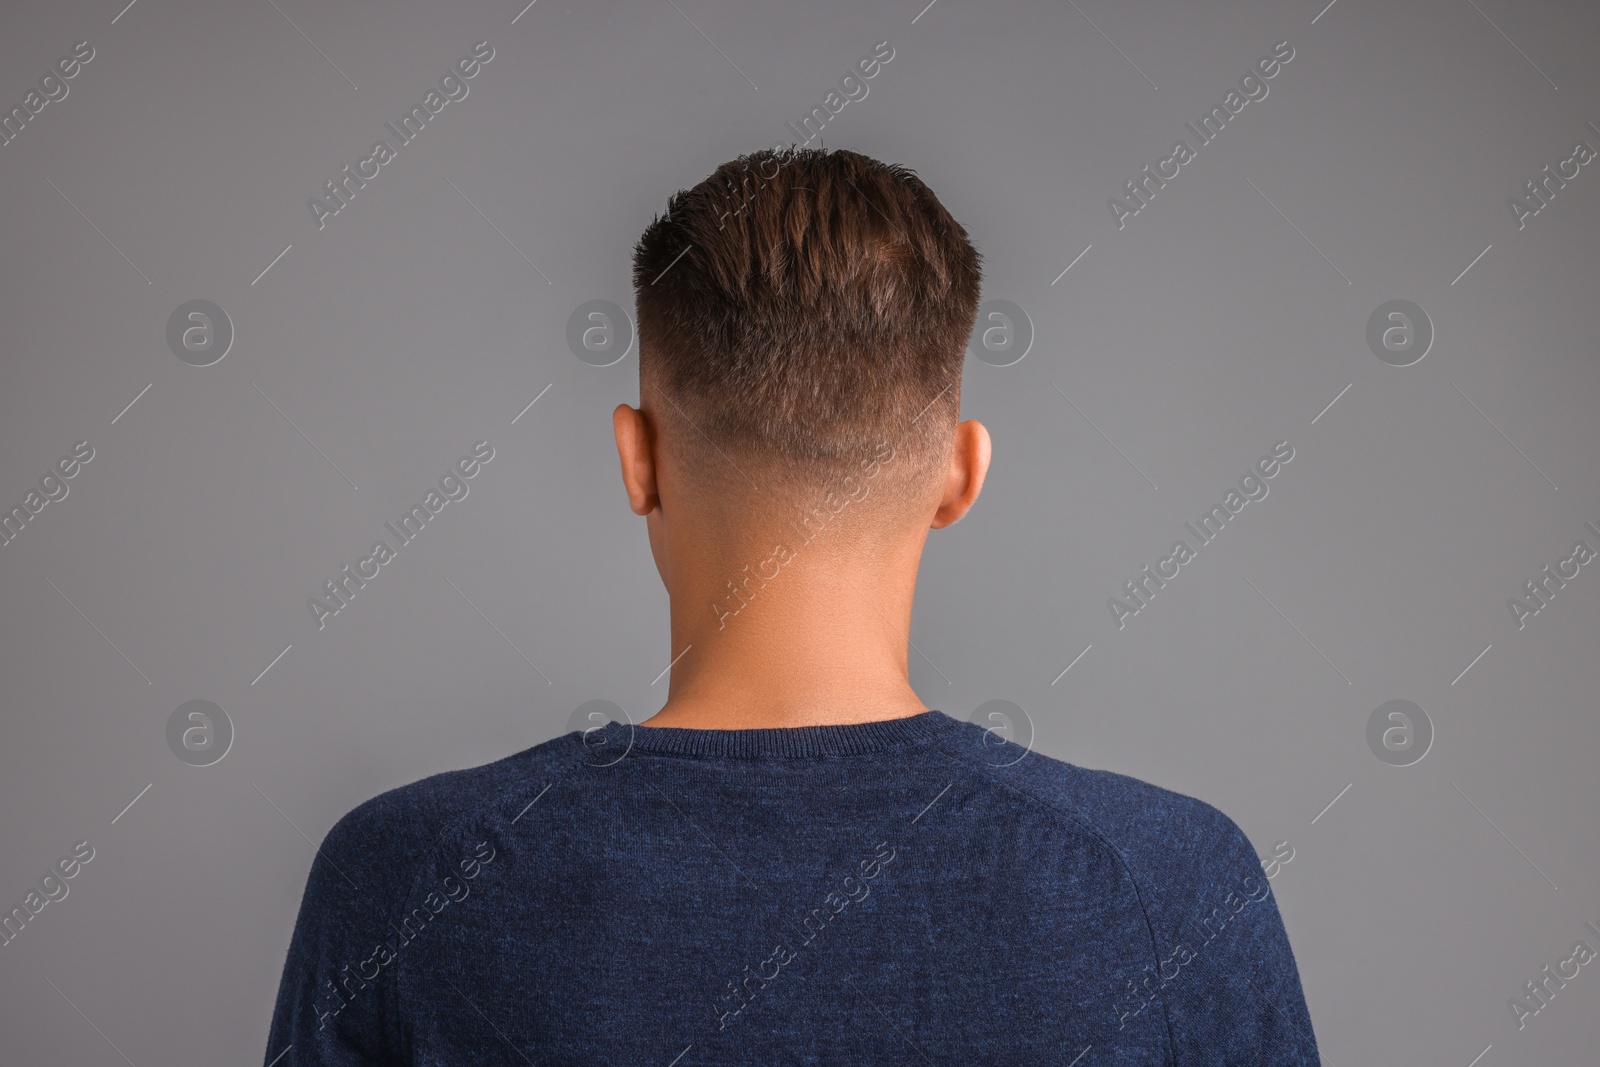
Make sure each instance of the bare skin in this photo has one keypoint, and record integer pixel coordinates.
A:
(825, 643)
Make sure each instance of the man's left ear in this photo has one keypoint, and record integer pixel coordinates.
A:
(969, 463)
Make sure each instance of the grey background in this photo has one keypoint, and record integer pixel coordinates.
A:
(1195, 338)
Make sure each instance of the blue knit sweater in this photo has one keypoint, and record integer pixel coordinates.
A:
(912, 891)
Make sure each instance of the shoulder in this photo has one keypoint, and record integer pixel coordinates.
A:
(365, 869)
(1221, 968)
(1160, 829)
(1166, 839)
(382, 840)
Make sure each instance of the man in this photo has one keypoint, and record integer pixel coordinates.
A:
(794, 860)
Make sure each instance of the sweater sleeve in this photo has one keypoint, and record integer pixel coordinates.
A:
(335, 999)
(1225, 974)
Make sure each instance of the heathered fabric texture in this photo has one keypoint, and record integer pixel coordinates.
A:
(905, 892)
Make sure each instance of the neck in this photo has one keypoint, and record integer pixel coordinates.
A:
(818, 638)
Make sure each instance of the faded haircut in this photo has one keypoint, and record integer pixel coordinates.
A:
(800, 307)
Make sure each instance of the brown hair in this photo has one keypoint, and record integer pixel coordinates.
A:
(804, 306)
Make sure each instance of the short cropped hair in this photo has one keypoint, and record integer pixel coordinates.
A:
(806, 306)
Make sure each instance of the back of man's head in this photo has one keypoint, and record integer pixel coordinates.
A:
(799, 311)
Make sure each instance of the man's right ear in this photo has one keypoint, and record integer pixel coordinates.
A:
(636, 450)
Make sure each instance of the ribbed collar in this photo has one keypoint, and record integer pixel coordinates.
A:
(781, 742)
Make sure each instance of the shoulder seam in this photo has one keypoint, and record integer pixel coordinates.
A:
(1078, 818)
(451, 827)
